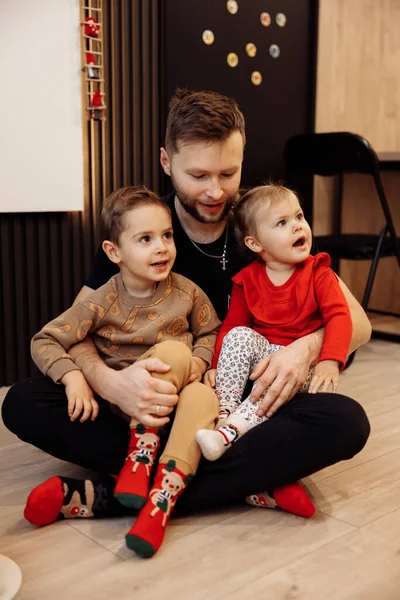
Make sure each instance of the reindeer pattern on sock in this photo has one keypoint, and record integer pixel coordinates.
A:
(78, 504)
(145, 451)
(164, 498)
(262, 500)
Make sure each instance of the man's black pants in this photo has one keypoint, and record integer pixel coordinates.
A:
(307, 434)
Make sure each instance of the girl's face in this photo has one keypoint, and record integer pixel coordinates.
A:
(283, 235)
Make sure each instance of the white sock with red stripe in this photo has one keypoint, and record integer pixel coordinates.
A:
(213, 444)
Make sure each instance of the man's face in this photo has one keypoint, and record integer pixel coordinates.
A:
(206, 176)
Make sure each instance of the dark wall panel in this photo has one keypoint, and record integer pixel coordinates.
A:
(283, 104)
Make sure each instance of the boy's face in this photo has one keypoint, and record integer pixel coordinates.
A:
(206, 176)
(146, 251)
(283, 235)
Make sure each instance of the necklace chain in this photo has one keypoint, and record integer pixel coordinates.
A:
(222, 258)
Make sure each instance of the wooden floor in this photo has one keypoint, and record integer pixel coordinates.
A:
(349, 551)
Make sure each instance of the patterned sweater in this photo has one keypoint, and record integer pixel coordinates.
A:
(123, 327)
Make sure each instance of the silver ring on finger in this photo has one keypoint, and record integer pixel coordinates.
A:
(158, 409)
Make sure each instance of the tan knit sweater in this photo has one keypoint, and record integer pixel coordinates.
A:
(123, 327)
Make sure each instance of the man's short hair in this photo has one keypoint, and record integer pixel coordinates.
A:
(201, 116)
(119, 203)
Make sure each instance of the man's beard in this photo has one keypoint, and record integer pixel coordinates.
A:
(190, 205)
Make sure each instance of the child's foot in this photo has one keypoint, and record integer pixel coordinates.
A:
(293, 498)
(146, 535)
(133, 483)
(213, 444)
(66, 498)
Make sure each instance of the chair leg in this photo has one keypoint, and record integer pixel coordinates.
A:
(372, 271)
(396, 243)
(389, 222)
(370, 281)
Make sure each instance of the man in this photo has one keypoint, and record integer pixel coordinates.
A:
(203, 155)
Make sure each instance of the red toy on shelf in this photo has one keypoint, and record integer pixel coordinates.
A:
(96, 99)
(91, 27)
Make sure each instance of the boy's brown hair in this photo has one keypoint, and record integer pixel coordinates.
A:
(245, 210)
(204, 116)
(119, 203)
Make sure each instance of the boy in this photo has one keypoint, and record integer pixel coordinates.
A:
(143, 311)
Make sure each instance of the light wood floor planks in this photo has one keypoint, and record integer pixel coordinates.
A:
(349, 551)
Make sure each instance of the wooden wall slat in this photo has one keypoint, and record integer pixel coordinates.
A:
(8, 362)
(137, 156)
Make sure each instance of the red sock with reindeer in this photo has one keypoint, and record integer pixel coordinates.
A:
(66, 498)
(133, 482)
(146, 535)
(292, 497)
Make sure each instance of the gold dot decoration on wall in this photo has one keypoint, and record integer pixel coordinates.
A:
(232, 7)
(281, 19)
(208, 37)
(251, 50)
(265, 19)
(274, 51)
(232, 59)
(256, 78)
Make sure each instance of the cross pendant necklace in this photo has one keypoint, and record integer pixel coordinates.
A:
(222, 258)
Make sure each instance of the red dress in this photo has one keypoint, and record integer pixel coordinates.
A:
(310, 299)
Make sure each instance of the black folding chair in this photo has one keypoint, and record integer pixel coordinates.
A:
(328, 154)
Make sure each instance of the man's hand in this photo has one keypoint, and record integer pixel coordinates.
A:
(283, 372)
(139, 395)
(133, 389)
(209, 378)
(198, 368)
(326, 374)
(80, 397)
